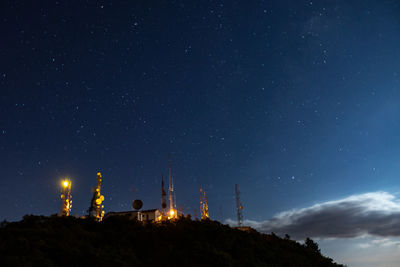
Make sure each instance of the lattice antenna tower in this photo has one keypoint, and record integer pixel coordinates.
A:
(96, 207)
(172, 197)
(66, 197)
(221, 213)
(203, 205)
(171, 186)
(163, 195)
(239, 206)
(174, 193)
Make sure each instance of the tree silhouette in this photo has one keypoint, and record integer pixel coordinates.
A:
(119, 241)
(310, 244)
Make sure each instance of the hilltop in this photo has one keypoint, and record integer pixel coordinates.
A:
(117, 241)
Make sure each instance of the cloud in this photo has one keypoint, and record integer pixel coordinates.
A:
(375, 214)
(382, 242)
(366, 251)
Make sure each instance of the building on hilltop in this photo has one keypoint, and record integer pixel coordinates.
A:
(155, 215)
(142, 216)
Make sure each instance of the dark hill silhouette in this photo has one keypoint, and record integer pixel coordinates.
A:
(117, 241)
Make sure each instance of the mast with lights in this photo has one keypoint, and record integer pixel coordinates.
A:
(96, 208)
(203, 205)
(172, 214)
(66, 197)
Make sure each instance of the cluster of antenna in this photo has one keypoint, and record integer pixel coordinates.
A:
(172, 212)
(96, 207)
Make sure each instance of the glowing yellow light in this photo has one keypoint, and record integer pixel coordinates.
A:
(65, 183)
(172, 212)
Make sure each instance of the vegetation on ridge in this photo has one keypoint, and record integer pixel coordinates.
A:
(117, 241)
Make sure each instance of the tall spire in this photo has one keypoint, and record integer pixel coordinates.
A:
(239, 206)
(172, 204)
(163, 194)
(174, 193)
(171, 186)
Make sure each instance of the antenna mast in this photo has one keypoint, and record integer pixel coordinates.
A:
(163, 194)
(203, 205)
(239, 206)
(66, 197)
(172, 204)
(96, 208)
(170, 188)
(221, 214)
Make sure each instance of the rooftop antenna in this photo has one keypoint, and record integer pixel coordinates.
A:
(239, 206)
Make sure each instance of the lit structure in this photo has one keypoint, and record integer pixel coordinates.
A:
(239, 206)
(172, 213)
(153, 215)
(66, 197)
(163, 195)
(96, 208)
(203, 205)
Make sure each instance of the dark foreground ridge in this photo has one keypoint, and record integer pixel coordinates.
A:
(117, 241)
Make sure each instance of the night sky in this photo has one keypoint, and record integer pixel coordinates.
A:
(295, 101)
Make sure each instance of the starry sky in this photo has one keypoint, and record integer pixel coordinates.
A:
(295, 101)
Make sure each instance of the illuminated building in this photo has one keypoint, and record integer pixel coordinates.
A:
(142, 216)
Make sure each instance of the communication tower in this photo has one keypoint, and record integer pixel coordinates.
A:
(221, 213)
(239, 206)
(163, 195)
(96, 208)
(172, 214)
(203, 205)
(66, 197)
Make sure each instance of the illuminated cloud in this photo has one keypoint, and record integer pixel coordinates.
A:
(374, 214)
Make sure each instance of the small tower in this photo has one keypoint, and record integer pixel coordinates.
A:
(66, 197)
(195, 214)
(203, 205)
(239, 206)
(96, 208)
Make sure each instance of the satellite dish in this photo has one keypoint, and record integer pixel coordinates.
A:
(137, 204)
